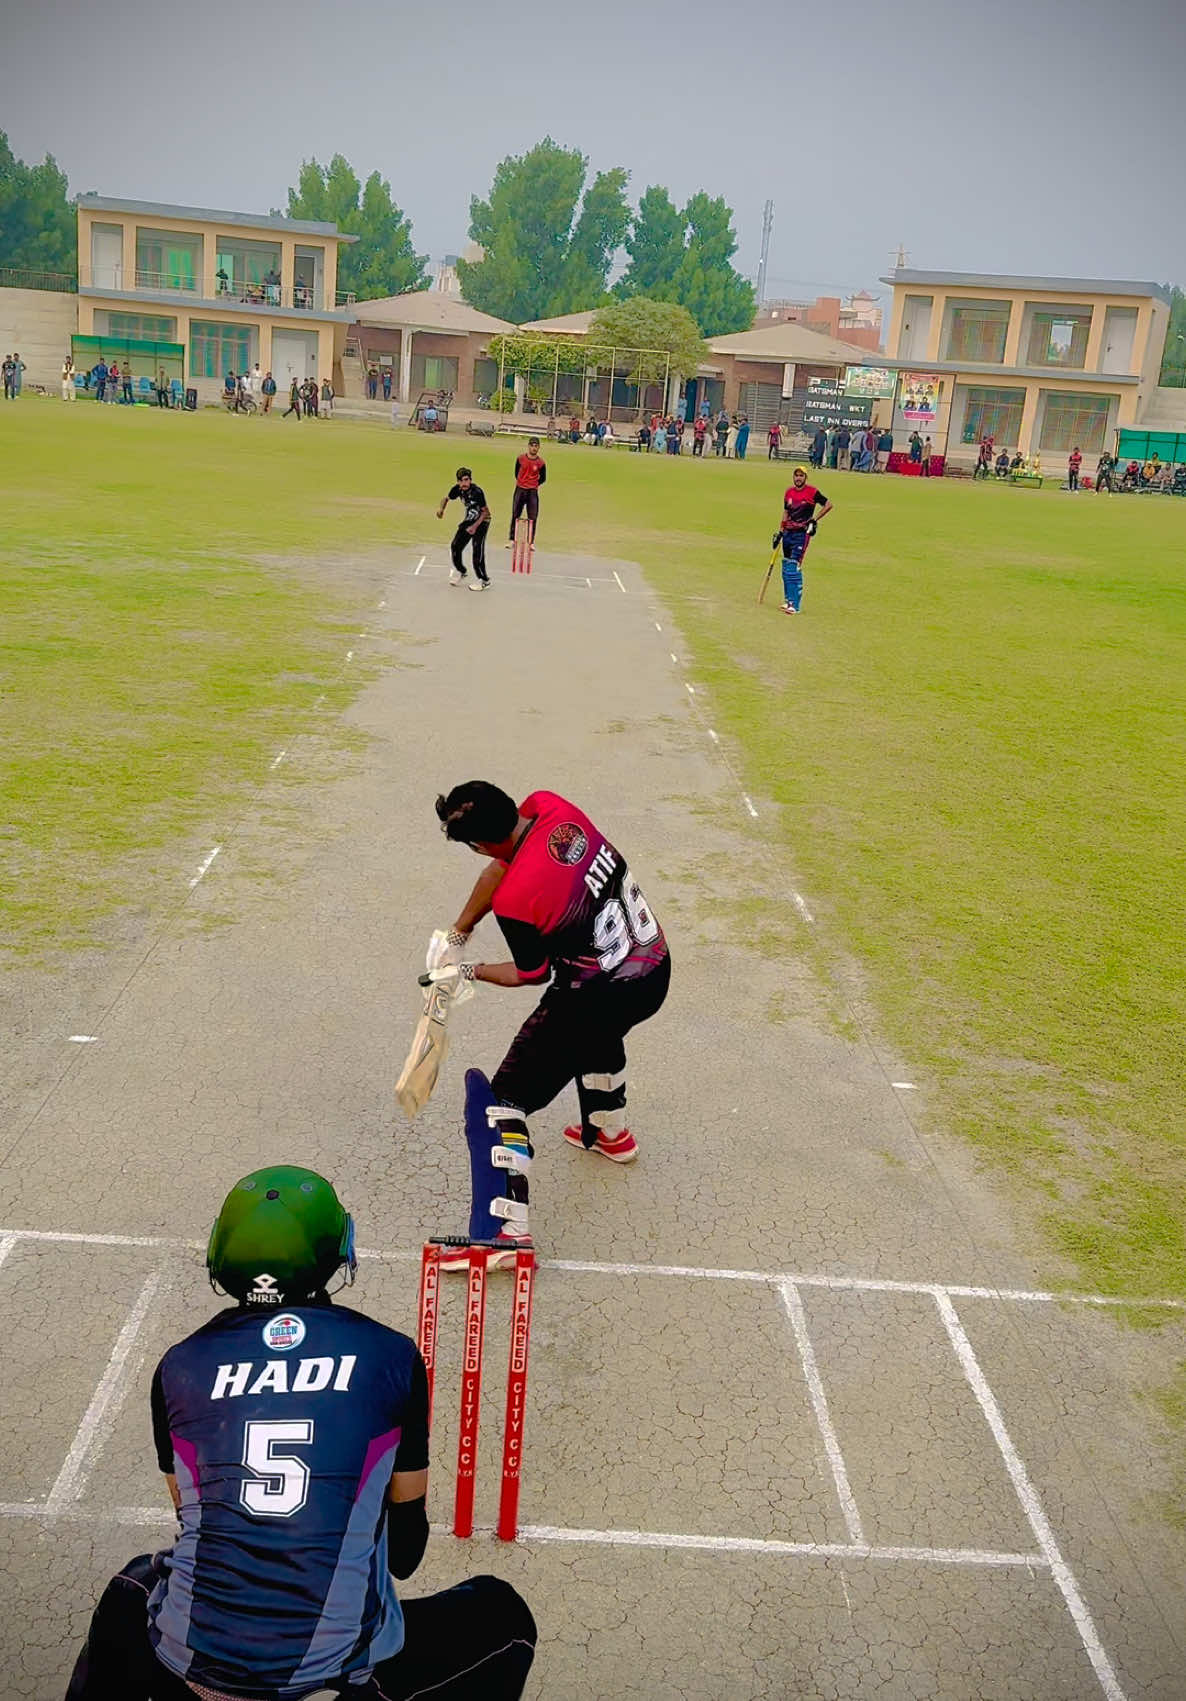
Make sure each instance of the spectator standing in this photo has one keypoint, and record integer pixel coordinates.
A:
(1105, 467)
(68, 379)
(7, 377)
(114, 380)
(163, 399)
(722, 434)
(268, 390)
(372, 383)
(819, 447)
(844, 448)
(672, 436)
(386, 378)
(773, 441)
(915, 447)
(327, 399)
(310, 398)
(660, 438)
(294, 400)
(926, 459)
(681, 409)
(731, 440)
(223, 281)
(1073, 465)
(127, 382)
(699, 435)
(574, 429)
(100, 379)
(885, 448)
(742, 438)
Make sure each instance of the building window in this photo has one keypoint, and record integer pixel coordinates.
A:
(140, 327)
(165, 261)
(250, 268)
(1071, 422)
(434, 371)
(995, 414)
(1059, 339)
(215, 350)
(976, 331)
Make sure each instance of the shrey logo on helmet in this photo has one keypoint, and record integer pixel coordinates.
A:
(282, 1234)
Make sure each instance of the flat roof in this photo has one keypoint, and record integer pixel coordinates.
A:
(213, 215)
(1006, 280)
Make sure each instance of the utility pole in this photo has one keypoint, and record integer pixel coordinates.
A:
(763, 264)
(901, 259)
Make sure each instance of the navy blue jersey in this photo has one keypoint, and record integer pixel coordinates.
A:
(283, 1430)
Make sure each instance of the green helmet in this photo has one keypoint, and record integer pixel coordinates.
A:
(281, 1234)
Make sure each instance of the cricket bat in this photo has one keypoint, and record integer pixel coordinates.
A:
(430, 1046)
(770, 569)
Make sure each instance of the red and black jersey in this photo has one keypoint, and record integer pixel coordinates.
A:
(568, 903)
(530, 472)
(799, 505)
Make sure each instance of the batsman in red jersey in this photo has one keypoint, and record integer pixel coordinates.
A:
(530, 472)
(799, 521)
(572, 915)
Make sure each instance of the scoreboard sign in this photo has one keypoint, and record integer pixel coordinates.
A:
(826, 405)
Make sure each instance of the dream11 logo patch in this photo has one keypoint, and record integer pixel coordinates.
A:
(567, 844)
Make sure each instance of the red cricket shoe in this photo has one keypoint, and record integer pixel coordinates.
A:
(621, 1148)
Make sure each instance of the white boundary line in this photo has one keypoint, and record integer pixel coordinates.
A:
(100, 1416)
(202, 867)
(621, 586)
(696, 1272)
(819, 1404)
(1031, 1505)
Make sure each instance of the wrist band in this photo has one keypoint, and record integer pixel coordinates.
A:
(453, 937)
(468, 971)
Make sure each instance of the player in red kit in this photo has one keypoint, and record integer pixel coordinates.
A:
(798, 527)
(573, 915)
(530, 472)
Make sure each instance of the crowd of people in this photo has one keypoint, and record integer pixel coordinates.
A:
(14, 372)
(668, 434)
(863, 449)
(378, 379)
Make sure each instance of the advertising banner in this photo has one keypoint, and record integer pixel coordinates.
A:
(920, 397)
(875, 383)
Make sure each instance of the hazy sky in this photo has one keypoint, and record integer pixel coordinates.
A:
(987, 135)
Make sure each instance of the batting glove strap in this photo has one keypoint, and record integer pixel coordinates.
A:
(467, 971)
(456, 939)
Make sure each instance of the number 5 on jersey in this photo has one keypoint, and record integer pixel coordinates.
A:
(622, 924)
(281, 1484)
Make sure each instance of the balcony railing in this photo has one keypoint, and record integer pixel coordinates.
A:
(301, 297)
(15, 277)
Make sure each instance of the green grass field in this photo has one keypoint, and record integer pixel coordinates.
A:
(972, 737)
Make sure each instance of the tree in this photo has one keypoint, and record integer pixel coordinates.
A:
(655, 246)
(655, 336)
(1173, 361)
(382, 261)
(38, 224)
(686, 256)
(539, 257)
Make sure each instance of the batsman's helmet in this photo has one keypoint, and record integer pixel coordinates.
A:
(281, 1234)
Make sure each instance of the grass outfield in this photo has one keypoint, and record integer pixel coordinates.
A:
(973, 734)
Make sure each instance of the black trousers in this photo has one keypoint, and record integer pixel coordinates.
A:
(475, 1639)
(524, 499)
(461, 537)
(576, 1032)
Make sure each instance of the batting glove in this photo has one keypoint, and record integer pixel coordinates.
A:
(444, 948)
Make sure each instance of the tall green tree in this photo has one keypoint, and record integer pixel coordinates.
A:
(655, 245)
(685, 255)
(382, 261)
(38, 223)
(540, 256)
(1173, 361)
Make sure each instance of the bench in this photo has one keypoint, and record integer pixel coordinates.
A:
(1026, 478)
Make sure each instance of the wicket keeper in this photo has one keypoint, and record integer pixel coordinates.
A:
(572, 913)
(799, 521)
(531, 471)
(293, 1435)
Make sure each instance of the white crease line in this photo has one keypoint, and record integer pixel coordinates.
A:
(276, 760)
(419, 565)
(819, 1404)
(204, 866)
(82, 1039)
(690, 689)
(745, 799)
(349, 655)
(674, 657)
(713, 736)
(382, 603)
(1031, 1505)
(7, 1242)
(589, 582)
(602, 1538)
(99, 1417)
(697, 1272)
(800, 903)
(904, 1086)
(621, 586)
(789, 1550)
(658, 628)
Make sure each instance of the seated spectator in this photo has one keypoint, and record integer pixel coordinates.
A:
(644, 438)
(1017, 464)
(1003, 464)
(660, 438)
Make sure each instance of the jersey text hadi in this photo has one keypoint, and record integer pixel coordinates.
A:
(600, 870)
(277, 1376)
